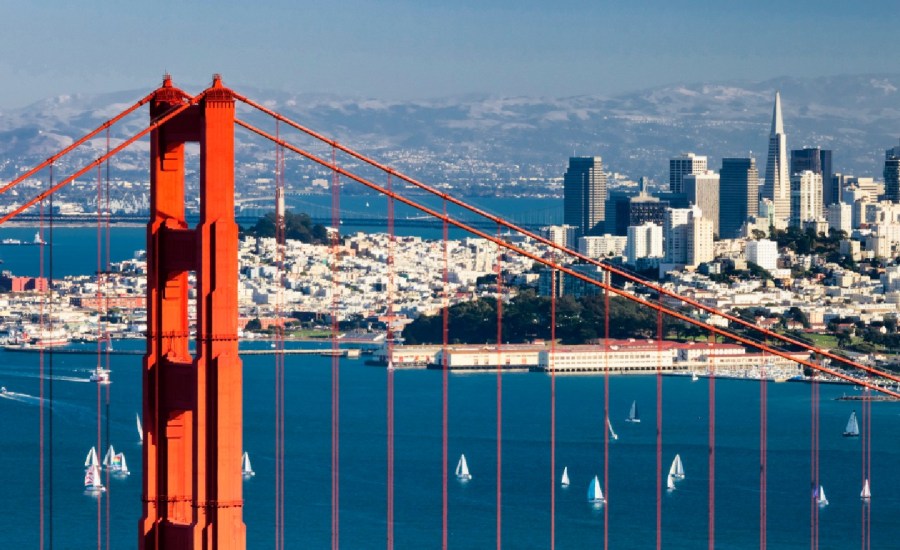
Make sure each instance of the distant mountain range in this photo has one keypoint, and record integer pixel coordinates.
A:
(483, 138)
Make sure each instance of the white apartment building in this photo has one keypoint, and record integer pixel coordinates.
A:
(890, 279)
(840, 217)
(700, 246)
(806, 197)
(644, 241)
(562, 235)
(602, 246)
(763, 253)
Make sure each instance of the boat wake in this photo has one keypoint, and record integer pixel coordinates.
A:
(55, 378)
(67, 411)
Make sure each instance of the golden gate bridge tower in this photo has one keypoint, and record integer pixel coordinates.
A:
(192, 494)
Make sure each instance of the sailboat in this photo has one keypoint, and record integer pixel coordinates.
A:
(119, 466)
(140, 428)
(820, 497)
(92, 482)
(595, 493)
(676, 471)
(91, 459)
(565, 477)
(462, 469)
(694, 376)
(612, 433)
(866, 493)
(109, 458)
(670, 482)
(633, 413)
(246, 469)
(852, 429)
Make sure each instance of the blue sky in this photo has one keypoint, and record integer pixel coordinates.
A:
(425, 48)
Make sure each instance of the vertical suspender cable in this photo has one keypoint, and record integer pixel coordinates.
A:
(552, 366)
(100, 322)
(814, 463)
(711, 500)
(41, 420)
(445, 383)
(868, 430)
(606, 275)
(280, 251)
(106, 334)
(864, 475)
(335, 359)
(659, 412)
(390, 371)
(50, 355)
(499, 268)
(763, 454)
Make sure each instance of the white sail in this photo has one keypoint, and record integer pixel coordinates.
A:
(866, 493)
(565, 477)
(677, 469)
(91, 459)
(694, 377)
(121, 465)
(246, 468)
(92, 481)
(109, 457)
(612, 433)
(670, 482)
(633, 413)
(462, 469)
(820, 499)
(140, 428)
(595, 493)
(852, 429)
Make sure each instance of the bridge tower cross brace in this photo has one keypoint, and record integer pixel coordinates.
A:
(192, 401)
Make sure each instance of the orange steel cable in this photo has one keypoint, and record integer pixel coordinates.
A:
(390, 373)
(335, 360)
(606, 275)
(711, 499)
(552, 366)
(602, 265)
(551, 263)
(171, 113)
(280, 245)
(51, 160)
(763, 455)
(659, 415)
(445, 382)
(41, 419)
(499, 273)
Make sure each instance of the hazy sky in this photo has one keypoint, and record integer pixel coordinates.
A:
(425, 48)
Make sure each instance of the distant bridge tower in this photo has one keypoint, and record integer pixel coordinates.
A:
(192, 494)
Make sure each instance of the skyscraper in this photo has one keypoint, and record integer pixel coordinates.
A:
(688, 163)
(738, 195)
(817, 161)
(892, 174)
(703, 190)
(778, 185)
(584, 195)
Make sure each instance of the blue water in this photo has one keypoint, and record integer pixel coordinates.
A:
(472, 428)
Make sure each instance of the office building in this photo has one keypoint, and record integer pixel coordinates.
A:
(703, 190)
(777, 187)
(687, 238)
(806, 198)
(738, 195)
(584, 195)
(562, 235)
(688, 163)
(818, 161)
(892, 174)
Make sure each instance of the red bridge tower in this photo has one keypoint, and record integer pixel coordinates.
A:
(192, 494)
